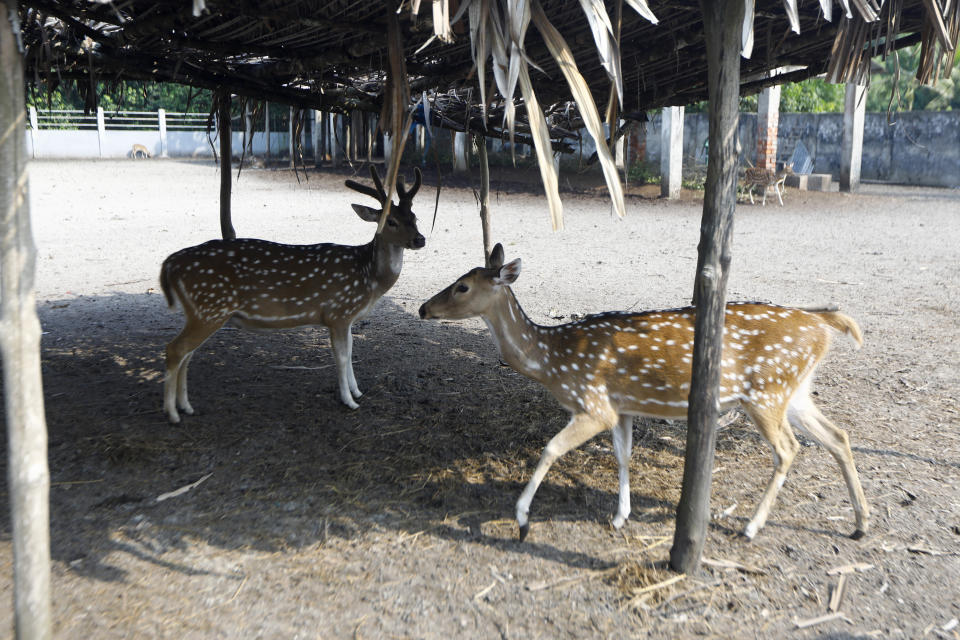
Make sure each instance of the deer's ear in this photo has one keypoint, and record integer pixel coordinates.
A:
(495, 261)
(368, 214)
(508, 273)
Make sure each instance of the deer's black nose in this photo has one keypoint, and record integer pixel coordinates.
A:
(419, 242)
(423, 311)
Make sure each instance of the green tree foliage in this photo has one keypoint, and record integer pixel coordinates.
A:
(815, 95)
(911, 95)
(127, 96)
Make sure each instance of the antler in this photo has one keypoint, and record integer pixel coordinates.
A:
(402, 191)
(377, 193)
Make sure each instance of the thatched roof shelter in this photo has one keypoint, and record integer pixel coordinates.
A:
(468, 59)
(334, 55)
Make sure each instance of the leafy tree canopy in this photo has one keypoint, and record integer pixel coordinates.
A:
(126, 96)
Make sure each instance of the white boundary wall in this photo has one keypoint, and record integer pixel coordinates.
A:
(64, 134)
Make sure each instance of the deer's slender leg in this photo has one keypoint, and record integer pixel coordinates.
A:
(340, 341)
(183, 401)
(622, 447)
(179, 351)
(351, 378)
(776, 430)
(804, 414)
(581, 428)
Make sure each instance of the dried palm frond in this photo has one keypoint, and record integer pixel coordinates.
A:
(746, 35)
(441, 21)
(395, 105)
(607, 45)
(827, 7)
(543, 147)
(793, 14)
(581, 94)
(640, 6)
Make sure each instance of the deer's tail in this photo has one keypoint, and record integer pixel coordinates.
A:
(844, 324)
(166, 285)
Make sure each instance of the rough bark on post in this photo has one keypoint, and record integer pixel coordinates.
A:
(481, 143)
(28, 476)
(226, 164)
(723, 21)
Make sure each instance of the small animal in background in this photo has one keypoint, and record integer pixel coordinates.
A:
(765, 178)
(139, 151)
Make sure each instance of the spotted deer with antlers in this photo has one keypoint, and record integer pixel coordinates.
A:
(258, 284)
(609, 367)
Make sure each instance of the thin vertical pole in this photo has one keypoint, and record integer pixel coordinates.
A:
(226, 162)
(481, 143)
(101, 131)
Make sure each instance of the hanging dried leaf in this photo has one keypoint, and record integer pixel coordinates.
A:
(543, 147)
(563, 55)
(827, 7)
(746, 38)
(640, 6)
(603, 37)
(793, 14)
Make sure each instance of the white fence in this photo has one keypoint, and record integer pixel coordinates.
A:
(58, 133)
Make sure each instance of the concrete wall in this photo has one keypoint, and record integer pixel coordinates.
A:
(920, 147)
(61, 143)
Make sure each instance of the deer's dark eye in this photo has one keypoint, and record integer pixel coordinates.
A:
(391, 222)
(462, 288)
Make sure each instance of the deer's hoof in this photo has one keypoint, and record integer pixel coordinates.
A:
(524, 530)
(858, 534)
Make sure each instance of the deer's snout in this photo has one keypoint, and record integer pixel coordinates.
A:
(423, 311)
(418, 242)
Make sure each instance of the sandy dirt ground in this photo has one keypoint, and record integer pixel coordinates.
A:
(396, 520)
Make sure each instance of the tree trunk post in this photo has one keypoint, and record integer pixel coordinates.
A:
(481, 143)
(28, 475)
(226, 165)
(723, 22)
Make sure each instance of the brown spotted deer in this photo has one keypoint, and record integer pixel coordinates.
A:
(754, 177)
(265, 285)
(609, 367)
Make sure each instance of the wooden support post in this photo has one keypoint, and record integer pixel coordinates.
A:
(768, 125)
(28, 476)
(671, 151)
(336, 138)
(481, 144)
(266, 128)
(247, 129)
(723, 22)
(226, 164)
(851, 151)
(34, 131)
